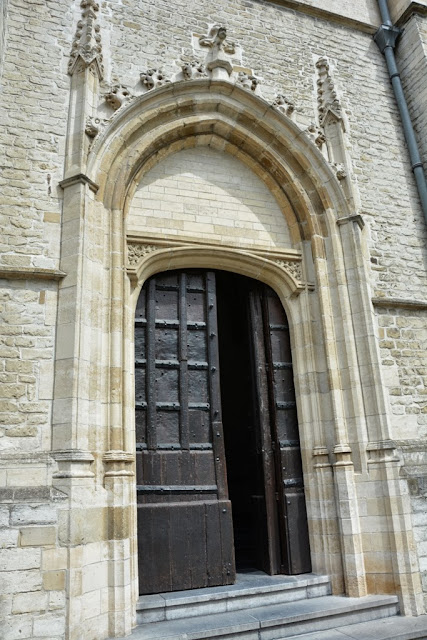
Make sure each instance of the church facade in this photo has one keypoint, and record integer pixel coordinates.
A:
(213, 303)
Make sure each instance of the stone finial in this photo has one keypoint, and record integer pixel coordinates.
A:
(153, 78)
(283, 104)
(247, 81)
(327, 99)
(117, 96)
(316, 134)
(217, 59)
(87, 40)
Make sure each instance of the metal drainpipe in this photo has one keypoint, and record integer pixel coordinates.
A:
(386, 38)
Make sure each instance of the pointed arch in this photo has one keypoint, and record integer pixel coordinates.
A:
(227, 117)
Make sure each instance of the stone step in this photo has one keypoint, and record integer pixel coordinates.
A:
(273, 622)
(252, 589)
(393, 628)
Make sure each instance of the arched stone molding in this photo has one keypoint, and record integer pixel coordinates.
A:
(247, 125)
(341, 403)
(279, 272)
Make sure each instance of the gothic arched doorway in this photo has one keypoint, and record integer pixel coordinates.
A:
(217, 433)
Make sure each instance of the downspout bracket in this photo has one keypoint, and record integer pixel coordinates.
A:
(387, 36)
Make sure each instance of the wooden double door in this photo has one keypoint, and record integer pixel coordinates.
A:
(219, 477)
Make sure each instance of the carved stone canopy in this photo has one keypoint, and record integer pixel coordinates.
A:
(327, 98)
(86, 45)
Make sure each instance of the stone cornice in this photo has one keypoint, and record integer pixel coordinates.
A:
(30, 273)
(419, 8)
(403, 303)
(319, 12)
(79, 178)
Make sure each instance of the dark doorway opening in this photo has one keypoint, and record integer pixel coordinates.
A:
(245, 476)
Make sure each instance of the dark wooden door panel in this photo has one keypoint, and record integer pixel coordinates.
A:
(289, 477)
(185, 536)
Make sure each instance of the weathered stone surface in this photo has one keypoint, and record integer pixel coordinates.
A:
(26, 514)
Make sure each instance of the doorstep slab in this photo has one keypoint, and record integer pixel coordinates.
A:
(251, 590)
(396, 628)
(272, 622)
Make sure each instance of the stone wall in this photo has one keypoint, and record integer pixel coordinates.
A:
(403, 344)
(202, 193)
(411, 54)
(27, 334)
(32, 568)
(33, 122)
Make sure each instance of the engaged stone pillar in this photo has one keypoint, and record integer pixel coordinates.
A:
(119, 483)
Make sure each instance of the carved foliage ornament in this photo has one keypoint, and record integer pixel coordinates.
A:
(292, 267)
(153, 78)
(193, 69)
(247, 81)
(316, 134)
(87, 41)
(283, 104)
(138, 251)
(117, 96)
(94, 126)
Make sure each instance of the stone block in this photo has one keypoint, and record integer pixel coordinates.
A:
(4, 517)
(19, 559)
(29, 602)
(37, 536)
(54, 580)
(26, 514)
(56, 600)
(94, 577)
(8, 538)
(54, 559)
(17, 627)
(49, 626)
(20, 581)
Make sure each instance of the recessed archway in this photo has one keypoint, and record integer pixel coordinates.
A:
(341, 399)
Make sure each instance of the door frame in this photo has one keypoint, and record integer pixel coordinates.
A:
(279, 275)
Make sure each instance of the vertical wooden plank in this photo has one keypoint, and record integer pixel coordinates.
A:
(183, 363)
(197, 527)
(214, 568)
(214, 388)
(181, 546)
(227, 546)
(151, 366)
(154, 529)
